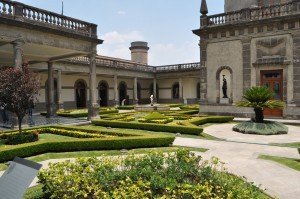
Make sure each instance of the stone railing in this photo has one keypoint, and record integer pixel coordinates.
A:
(251, 14)
(114, 63)
(22, 12)
(178, 67)
(129, 65)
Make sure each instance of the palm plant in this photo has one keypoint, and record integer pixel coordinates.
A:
(260, 98)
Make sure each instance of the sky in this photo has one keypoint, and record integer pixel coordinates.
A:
(165, 24)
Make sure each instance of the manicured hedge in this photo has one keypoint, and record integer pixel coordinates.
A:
(81, 113)
(36, 148)
(123, 141)
(211, 119)
(150, 127)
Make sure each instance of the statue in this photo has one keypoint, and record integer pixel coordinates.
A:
(151, 100)
(224, 87)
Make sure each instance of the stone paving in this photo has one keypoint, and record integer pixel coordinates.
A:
(224, 131)
(242, 160)
(42, 120)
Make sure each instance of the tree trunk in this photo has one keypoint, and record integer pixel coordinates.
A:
(20, 124)
(259, 115)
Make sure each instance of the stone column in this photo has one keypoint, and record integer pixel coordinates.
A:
(116, 90)
(154, 90)
(50, 91)
(180, 90)
(59, 89)
(93, 111)
(18, 51)
(135, 90)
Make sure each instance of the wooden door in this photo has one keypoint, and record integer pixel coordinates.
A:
(273, 79)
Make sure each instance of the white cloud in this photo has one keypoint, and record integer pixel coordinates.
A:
(117, 44)
(121, 12)
(117, 38)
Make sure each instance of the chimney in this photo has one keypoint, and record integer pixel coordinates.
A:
(139, 52)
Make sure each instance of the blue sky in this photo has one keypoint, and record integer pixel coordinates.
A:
(165, 24)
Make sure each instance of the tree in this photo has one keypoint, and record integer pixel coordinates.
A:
(18, 90)
(260, 98)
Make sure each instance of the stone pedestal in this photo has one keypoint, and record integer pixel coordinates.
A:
(224, 101)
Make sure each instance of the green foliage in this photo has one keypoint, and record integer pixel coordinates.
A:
(289, 162)
(136, 140)
(260, 97)
(210, 119)
(17, 138)
(150, 127)
(266, 128)
(156, 118)
(154, 175)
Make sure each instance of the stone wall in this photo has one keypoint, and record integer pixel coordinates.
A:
(233, 5)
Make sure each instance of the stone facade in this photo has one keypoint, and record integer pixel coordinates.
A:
(258, 46)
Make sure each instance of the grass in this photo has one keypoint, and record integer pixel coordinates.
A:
(289, 162)
(292, 145)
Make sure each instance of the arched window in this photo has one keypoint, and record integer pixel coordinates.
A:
(198, 90)
(80, 93)
(103, 93)
(175, 91)
(151, 91)
(123, 93)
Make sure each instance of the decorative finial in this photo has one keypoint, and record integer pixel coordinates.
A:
(203, 9)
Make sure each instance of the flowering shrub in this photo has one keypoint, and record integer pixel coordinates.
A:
(155, 175)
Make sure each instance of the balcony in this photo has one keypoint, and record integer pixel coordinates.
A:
(251, 14)
(19, 12)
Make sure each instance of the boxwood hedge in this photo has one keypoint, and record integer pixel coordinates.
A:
(211, 119)
(150, 127)
(140, 140)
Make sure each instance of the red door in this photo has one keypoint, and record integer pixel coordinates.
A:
(274, 81)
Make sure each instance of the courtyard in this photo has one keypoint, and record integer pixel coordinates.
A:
(108, 115)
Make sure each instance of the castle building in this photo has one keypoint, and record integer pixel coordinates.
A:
(255, 42)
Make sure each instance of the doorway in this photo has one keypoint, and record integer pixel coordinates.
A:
(123, 93)
(273, 79)
(103, 93)
(80, 94)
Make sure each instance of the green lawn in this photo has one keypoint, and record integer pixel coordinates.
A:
(289, 162)
(293, 145)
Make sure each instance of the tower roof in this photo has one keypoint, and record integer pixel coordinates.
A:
(203, 9)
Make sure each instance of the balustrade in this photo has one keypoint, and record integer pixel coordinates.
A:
(124, 64)
(44, 17)
(251, 14)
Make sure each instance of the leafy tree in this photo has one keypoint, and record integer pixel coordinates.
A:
(18, 89)
(260, 98)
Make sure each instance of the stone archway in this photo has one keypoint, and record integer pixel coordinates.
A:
(80, 93)
(139, 91)
(227, 73)
(123, 93)
(103, 89)
(175, 90)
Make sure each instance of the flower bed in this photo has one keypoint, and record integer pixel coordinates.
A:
(154, 175)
